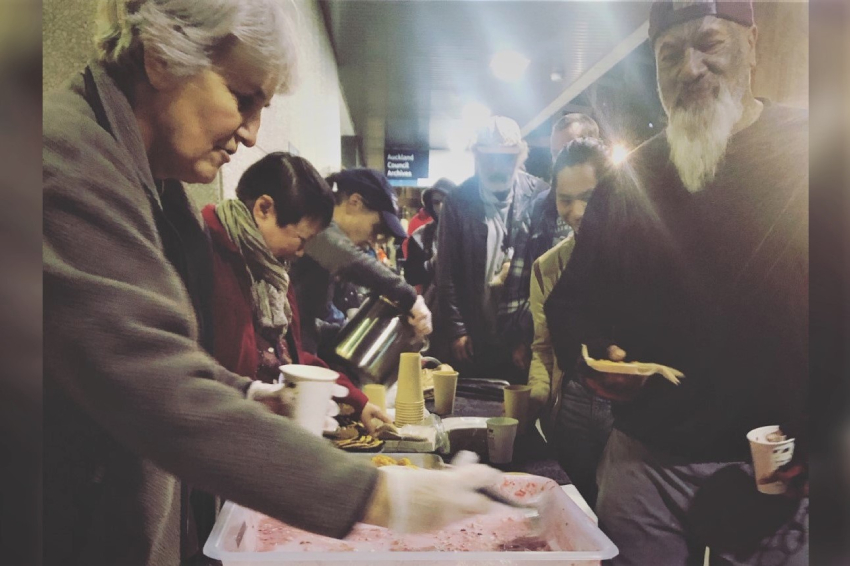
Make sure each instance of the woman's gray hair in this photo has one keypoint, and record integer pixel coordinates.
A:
(188, 34)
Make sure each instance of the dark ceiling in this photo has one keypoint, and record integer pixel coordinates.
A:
(408, 67)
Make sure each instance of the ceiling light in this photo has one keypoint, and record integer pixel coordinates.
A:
(619, 153)
(475, 115)
(508, 65)
(458, 139)
(556, 77)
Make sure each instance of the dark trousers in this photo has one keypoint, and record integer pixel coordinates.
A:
(647, 501)
(581, 431)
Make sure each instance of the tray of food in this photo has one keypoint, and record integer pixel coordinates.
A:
(409, 460)
(631, 368)
(242, 537)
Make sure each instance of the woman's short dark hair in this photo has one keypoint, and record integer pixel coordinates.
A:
(578, 152)
(298, 190)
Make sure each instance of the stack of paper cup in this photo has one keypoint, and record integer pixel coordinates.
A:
(409, 403)
(768, 456)
(313, 391)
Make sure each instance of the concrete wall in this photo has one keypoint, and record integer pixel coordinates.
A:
(310, 120)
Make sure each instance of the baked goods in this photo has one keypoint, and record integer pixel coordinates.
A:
(363, 443)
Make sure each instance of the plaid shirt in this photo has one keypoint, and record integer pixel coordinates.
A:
(515, 322)
(513, 303)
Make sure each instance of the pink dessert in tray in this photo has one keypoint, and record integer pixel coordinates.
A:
(503, 529)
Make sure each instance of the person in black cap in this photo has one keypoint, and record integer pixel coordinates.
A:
(366, 207)
(696, 257)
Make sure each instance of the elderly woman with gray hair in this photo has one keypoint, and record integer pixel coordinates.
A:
(134, 408)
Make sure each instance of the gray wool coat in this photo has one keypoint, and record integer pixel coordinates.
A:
(131, 402)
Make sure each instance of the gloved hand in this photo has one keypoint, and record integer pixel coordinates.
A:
(427, 500)
(280, 399)
(372, 411)
(420, 317)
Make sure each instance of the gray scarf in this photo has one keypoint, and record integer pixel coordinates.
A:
(269, 278)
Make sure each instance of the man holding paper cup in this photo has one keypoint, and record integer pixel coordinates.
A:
(696, 257)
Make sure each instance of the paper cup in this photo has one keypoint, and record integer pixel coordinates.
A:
(410, 378)
(313, 391)
(445, 387)
(377, 395)
(768, 457)
(516, 405)
(501, 433)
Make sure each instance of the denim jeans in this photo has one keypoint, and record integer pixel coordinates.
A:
(582, 427)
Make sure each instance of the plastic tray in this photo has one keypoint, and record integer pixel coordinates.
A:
(427, 461)
(234, 540)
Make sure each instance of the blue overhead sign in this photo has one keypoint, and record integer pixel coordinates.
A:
(406, 164)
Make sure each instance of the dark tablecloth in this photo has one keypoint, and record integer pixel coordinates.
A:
(531, 453)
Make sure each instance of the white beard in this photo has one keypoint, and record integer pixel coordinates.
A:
(698, 138)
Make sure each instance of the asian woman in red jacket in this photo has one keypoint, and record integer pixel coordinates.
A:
(282, 202)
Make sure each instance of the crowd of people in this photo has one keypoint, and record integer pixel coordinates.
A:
(164, 335)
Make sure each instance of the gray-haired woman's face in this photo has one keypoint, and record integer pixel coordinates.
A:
(196, 123)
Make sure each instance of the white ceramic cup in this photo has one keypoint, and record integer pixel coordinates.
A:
(768, 457)
(501, 433)
(314, 388)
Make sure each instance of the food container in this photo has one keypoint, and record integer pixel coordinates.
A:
(467, 433)
(427, 461)
(235, 539)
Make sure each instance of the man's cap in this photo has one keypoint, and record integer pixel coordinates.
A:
(377, 193)
(665, 14)
(499, 135)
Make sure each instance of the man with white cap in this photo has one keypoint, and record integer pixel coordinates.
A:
(483, 232)
(696, 257)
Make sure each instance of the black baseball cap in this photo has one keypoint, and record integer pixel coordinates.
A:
(665, 14)
(377, 193)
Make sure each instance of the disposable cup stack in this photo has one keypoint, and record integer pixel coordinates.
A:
(410, 403)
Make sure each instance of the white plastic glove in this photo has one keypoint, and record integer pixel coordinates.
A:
(428, 500)
(370, 415)
(280, 399)
(420, 318)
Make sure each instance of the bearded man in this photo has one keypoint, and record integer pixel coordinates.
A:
(695, 256)
(483, 231)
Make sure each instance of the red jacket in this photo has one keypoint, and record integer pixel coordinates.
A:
(235, 342)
